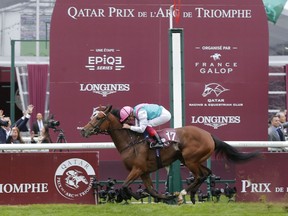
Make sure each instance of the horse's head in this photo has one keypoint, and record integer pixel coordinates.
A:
(99, 122)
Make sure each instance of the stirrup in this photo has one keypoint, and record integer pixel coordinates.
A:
(156, 145)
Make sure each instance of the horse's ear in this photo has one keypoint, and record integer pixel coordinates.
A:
(109, 108)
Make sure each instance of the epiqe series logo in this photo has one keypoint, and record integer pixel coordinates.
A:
(73, 178)
(104, 59)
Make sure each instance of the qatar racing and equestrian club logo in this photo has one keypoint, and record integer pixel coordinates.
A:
(73, 178)
(216, 88)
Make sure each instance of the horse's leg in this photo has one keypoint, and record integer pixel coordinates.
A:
(204, 174)
(201, 173)
(133, 175)
(149, 186)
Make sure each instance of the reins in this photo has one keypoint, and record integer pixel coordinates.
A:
(133, 141)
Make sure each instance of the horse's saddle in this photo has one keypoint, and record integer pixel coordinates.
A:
(167, 135)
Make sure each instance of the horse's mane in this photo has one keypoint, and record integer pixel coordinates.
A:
(116, 113)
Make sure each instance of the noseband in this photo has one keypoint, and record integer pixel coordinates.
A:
(96, 128)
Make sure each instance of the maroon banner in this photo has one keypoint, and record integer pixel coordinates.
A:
(286, 71)
(103, 52)
(31, 178)
(263, 179)
(226, 69)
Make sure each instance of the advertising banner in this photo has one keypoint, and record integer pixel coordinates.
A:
(226, 69)
(117, 52)
(286, 72)
(34, 178)
(262, 179)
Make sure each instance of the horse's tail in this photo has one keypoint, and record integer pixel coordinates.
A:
(227, 151)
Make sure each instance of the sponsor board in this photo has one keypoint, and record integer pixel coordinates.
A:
(30, 178)
(261, 180)
(119, 54)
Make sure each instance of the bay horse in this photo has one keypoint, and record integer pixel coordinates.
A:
(189, 144)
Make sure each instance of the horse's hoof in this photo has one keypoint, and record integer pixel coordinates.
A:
(183, 192)
(169, 196)
(180, 201)
(176, 193)
(193, 201)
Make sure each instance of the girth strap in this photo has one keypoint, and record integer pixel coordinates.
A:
(158, 159)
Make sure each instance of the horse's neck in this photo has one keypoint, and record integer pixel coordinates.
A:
(122, 138)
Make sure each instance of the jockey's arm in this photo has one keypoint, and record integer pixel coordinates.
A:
(142, 120)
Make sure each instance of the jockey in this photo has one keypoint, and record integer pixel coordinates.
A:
(146, 117)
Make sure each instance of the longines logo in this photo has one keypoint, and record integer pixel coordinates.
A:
(215, 88)
(104, 89)
(73, 178)
(104, 60)
(216, 121)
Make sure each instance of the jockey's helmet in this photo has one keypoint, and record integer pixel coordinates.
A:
(125, 112)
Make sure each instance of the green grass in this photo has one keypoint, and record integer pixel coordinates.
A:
(150, 209)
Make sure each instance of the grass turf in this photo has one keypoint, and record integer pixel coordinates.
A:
(149, 209)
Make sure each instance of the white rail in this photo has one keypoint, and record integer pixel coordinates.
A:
(110, 145)
(104, 145)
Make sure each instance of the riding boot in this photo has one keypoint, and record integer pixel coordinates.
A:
(158, 143)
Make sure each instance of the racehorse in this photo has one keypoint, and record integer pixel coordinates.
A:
(191, 145)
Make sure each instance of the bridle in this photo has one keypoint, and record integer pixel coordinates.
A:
(96, 128)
